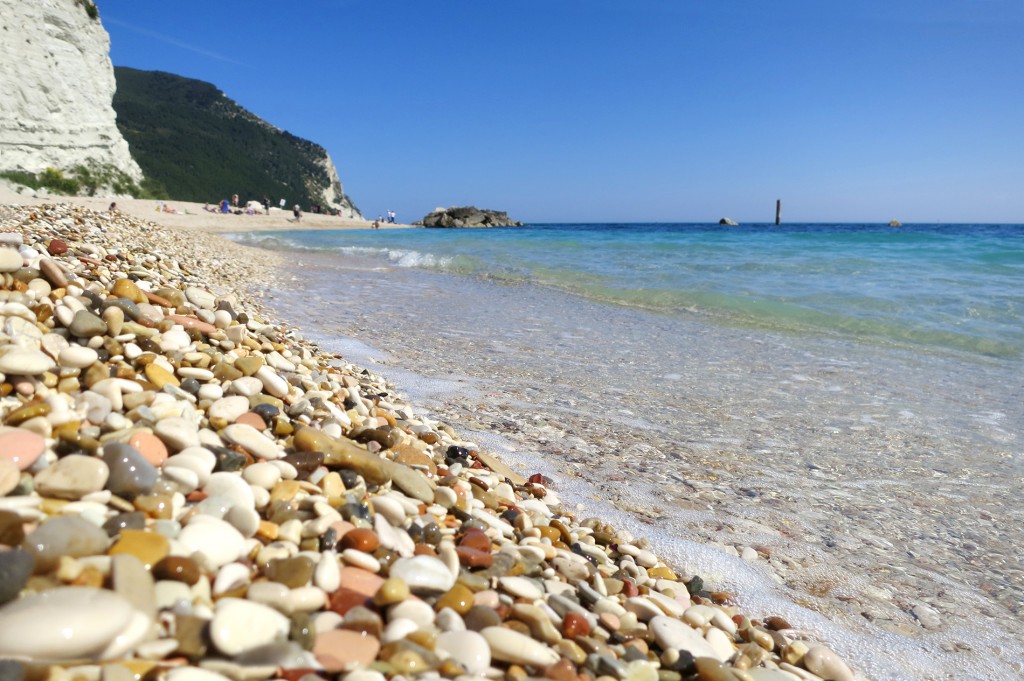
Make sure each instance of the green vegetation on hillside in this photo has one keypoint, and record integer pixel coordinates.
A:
(82, 180)
(188, 137)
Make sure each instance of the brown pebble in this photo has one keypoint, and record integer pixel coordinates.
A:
(776, 623)
(459, 598)
(471, 557)
(361, 539)
(178, 569)
(56, 247)
(343, 600)
(574, 624)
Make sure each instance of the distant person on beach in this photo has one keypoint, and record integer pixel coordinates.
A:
(391, 216)
(225, 207)
(234, 200)
(112, 207)
(297, 212)
(209, 209)
(376, 224)
(266, 204)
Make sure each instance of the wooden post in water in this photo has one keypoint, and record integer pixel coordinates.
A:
(778, 211)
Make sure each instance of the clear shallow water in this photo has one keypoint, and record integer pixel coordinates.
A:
(936, 287)
(877, 477)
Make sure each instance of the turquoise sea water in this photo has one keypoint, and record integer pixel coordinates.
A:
(846, 399)
(935, 287)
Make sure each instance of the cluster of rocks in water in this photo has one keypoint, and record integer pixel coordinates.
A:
(468, 216)
(191, 492)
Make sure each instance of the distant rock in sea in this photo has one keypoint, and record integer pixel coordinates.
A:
(468, 216)
(728, 221)
(895, 223)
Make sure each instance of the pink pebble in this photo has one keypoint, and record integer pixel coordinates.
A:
(360, 580)
(341, 649)
(251, 418)
(150, 446)
(21, 446)
(192, 323)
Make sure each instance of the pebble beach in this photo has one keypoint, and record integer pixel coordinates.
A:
(190, 490)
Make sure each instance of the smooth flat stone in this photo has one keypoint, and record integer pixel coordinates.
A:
(65, 623)
(77, 357)
(670, 632)
(10, 260)
(21, 447)
(201, 298)
(423, 574)
(273, 382)
(228, 408)
(468, 648)
(15, 569)
(252, 441)
(232, 487)
(85, 324)
(340, 649)
(522, 587)
(160, 376)
(216, 539)
(826, 664)
(239, 625)
(68, 535)
(511, 646)
(177, 433)
(192, 323)
(72, 477)
(17, 361)
(134, 582)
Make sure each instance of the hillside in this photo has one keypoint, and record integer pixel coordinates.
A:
(197, 144)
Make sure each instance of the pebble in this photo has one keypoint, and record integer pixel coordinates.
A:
(822, 661)
(130, 473)
(239, 626)
(423, 574)
(68, 623)
(77, 357)
(73, 477)
(21, 447)
(339, 649)
(68, 535)
(511, 646)
(218, 541)
(16, 361)
(10, 260)
(252, 441)
(674, 634)
(15, 569)
(468, 648)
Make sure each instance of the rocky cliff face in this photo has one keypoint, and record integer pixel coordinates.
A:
(56, 87)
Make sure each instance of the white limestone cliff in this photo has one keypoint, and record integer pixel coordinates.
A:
(56, 87)
(334, 194)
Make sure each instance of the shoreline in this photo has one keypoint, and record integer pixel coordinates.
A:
(226, 266)
(191, 216)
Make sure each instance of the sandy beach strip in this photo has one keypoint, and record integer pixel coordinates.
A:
(190, 490)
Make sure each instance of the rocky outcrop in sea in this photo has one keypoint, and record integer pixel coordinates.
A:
(468, 216)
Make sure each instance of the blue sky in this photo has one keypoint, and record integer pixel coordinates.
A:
(637, 110)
